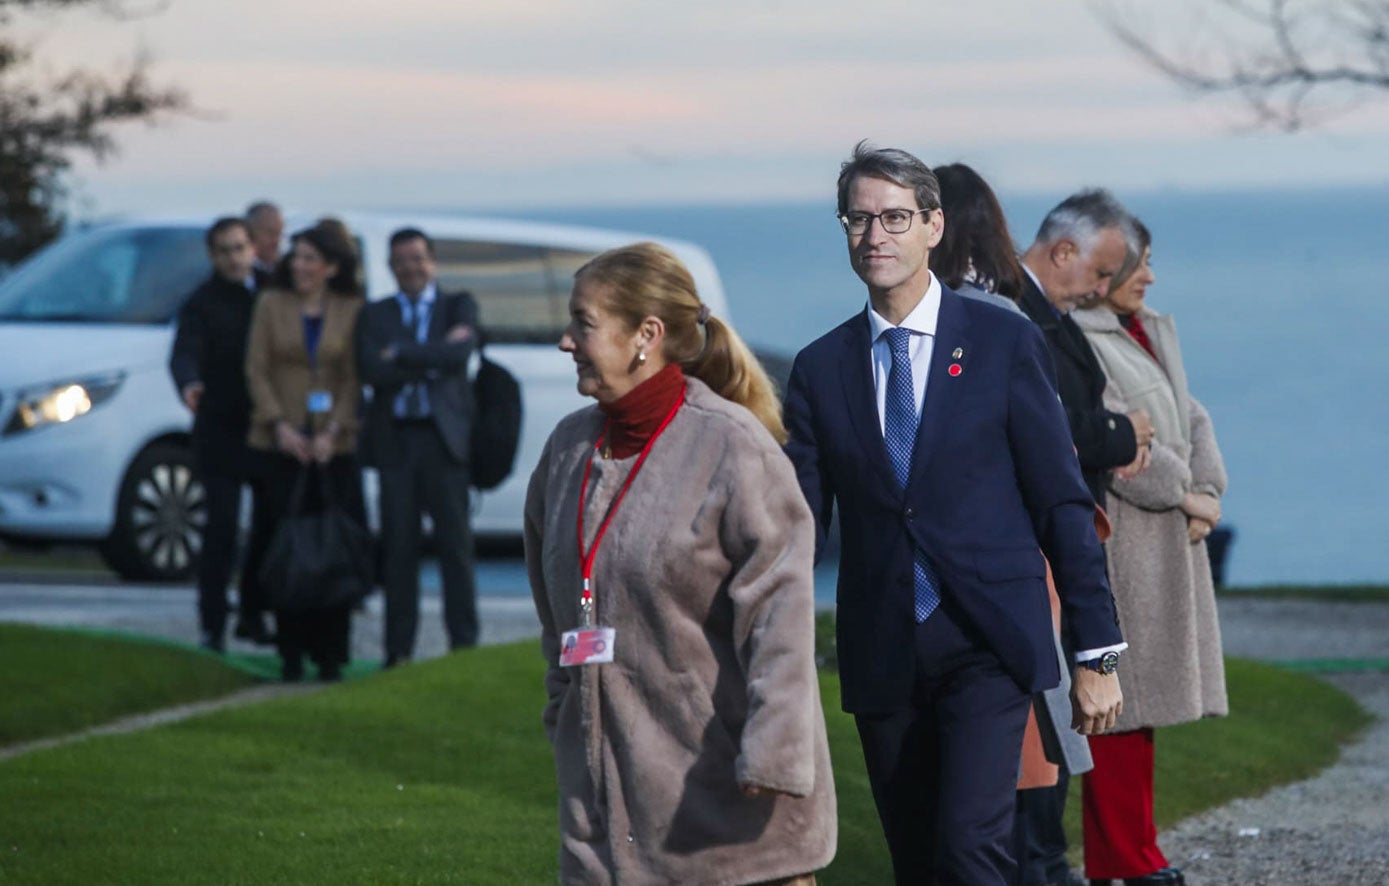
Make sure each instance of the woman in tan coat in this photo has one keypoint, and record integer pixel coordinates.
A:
(670, 556)
(302, 376)
(1173, 671)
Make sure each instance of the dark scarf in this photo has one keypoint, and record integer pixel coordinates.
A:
(634, 417)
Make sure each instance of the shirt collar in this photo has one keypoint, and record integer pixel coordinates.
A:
(921, 320)
(1042, 289)
(431, 291)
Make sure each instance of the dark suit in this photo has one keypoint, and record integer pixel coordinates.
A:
(210, 348)
(423, 462)
(1104, 440)
(941, 705)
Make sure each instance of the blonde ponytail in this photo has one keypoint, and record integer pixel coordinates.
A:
(647, 280)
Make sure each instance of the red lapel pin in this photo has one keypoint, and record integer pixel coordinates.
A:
(955, 369)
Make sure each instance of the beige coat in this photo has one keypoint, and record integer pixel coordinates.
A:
(279, 375)
(705, 573)
(1173, 671)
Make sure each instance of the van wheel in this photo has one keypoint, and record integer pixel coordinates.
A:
(161, 512)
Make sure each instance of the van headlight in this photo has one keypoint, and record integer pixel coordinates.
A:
(61, 403)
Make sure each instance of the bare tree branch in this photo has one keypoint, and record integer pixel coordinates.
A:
(1292, 62)
(43, 124)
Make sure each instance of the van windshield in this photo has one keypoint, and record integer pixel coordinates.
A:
(106, 275)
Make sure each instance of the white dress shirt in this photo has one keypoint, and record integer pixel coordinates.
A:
(921, 322)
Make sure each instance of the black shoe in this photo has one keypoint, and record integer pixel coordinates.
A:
(330, 673)
(213, 643)
(1168, 876)
(291, 670)
(394, 660)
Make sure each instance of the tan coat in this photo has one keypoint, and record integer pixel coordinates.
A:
(706, 575)
(1173, 671)
(280, 377)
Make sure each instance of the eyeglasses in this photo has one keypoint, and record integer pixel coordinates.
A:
(894, 221)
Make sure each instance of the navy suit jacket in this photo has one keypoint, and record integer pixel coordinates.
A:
(994, 483)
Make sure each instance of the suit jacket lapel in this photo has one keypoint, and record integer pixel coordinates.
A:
(861, 400)
(437, 320)
(942, 388)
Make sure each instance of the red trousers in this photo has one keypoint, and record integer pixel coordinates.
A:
(1117, 808)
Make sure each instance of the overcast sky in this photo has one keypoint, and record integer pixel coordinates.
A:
(338, 104)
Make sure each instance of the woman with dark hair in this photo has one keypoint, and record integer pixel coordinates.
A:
(678, 623)
(302, 377)
(1174, 671)
(975, 256)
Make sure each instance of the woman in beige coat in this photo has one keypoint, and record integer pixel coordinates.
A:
(684, 707)
(1173, 671)
(302, 376)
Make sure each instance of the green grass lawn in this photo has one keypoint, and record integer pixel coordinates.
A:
(440, 773)
(54, 682)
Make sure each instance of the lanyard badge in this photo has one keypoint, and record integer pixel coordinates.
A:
(591, 643)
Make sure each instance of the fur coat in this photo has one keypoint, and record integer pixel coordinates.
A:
(706, 575)
(1173, 671)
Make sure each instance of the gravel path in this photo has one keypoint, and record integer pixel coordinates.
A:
(1334, 827)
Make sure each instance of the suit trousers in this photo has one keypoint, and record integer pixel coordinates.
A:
(944, 771)
(420, 476)
(218, 555)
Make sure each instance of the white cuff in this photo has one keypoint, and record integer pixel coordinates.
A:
(1092, 654)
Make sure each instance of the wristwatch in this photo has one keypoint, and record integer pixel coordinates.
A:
(1105, 664)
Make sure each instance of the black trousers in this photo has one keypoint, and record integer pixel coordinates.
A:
(322, 634)
(218, 556)
(1040, 837)
(944, 771)
(420, 476)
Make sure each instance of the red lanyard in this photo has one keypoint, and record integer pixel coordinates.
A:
(586, 559)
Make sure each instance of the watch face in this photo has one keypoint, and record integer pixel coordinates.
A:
(1109, 662)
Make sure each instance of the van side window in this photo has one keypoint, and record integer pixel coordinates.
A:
(122, 276)
(516, 297)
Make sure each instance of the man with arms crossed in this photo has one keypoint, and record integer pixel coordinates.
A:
(946, 504)
(414, 351)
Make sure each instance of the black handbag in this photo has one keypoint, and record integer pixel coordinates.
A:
(320, 559)
(496, 433)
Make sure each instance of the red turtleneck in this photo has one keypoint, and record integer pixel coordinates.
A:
(1135, 328)
(634, 417)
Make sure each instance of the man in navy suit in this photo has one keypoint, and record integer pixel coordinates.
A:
(932, 421)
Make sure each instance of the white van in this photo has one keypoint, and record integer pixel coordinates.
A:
(94, 442)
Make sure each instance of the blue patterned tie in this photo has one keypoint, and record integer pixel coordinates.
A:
(899, 433)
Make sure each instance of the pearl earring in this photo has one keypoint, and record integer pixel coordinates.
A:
(641, 356)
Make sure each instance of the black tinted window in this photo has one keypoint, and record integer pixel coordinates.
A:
(512, 285)
(128, 276)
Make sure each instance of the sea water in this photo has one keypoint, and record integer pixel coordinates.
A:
(1282, 304)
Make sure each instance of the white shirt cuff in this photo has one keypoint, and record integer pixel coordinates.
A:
(1092, 654)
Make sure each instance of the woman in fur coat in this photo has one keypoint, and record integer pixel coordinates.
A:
(1173, 671)
(670, 555)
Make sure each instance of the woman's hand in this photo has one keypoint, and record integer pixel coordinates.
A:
(756, 791)
(1197, 529)
(1202, 506)
(291, 442)
(323, 446)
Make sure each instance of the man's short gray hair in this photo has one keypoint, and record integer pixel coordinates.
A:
(1082, 216)
(891, 164)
